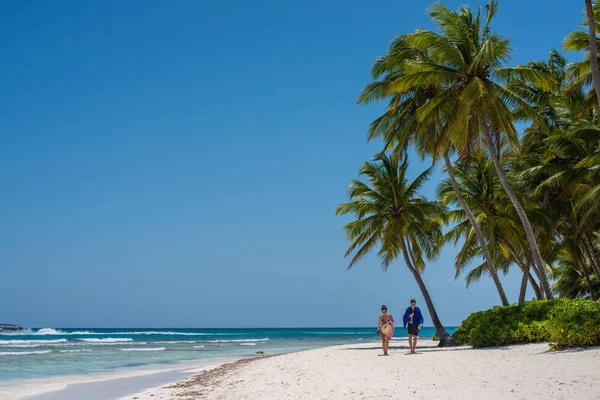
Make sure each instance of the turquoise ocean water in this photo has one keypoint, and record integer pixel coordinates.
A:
(47, 352)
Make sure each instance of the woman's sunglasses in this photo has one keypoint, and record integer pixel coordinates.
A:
(384, 309)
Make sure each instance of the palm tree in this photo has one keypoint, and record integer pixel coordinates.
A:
(399, 126)
(593, 47)
(481, 188)
(586, 198)
(527, 162)
(559, 164)
(572, 278)
(390, 214)
(586, 72)
(466, 60)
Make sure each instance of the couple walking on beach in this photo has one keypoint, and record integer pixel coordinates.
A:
(412, 317)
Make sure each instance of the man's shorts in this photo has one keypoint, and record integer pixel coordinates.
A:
(413, 329)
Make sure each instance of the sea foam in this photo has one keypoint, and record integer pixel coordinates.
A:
(58, 332)
(145, 349)
(30, 332)
(31, 343)
(23, 353)
(48, 331)
(175, 341)
(136, 333)
(237, 340)
(107, 340)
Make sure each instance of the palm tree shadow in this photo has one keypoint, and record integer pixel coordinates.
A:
(422, 350)
(429, 349)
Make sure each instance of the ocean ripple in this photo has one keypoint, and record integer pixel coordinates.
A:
(23, 353)
(237, 340)
(19, 342)
(107, 340)
(145, 349)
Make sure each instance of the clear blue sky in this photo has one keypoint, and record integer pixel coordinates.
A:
(179, 163)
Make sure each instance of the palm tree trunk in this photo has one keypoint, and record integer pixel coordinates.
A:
(537, 273)
(535, 287)
(525, 268)
(535, 251)
(593, 47)
(537, 231)
(478, 232)
(588, 280)
(523, 290)
(592, 254)
(444, 336)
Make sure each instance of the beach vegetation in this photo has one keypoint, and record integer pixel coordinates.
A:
(563, 322)
(520, 145)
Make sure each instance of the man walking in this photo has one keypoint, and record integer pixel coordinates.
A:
(414, 319)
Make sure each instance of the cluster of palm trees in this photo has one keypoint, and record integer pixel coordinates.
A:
(528, 200)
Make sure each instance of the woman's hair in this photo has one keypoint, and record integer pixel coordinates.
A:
(384, 306)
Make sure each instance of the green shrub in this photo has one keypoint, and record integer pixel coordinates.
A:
(565, 322)
(574, 323)
(538, 310)
(462, 334)
(435, 337)
(530, 333)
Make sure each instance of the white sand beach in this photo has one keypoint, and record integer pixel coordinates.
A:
(358, 372)
(349, 372)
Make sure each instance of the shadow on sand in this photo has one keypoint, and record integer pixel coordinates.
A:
(427, 349)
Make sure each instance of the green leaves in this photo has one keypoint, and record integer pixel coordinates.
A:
(434, 44)
(568, 323)
(577, 41)
(540, 79)
(374, 91)
(450, 90)
(574, 323)
(388, 210)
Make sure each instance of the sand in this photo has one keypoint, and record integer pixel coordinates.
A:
(359, 372)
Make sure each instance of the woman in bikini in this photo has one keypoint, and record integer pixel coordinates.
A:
(385, 318)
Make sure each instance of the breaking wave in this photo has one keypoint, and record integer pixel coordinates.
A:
(107, 340)
(30, 343)
(23, 353)
(145, 349)
(175, 341)
(237, 340)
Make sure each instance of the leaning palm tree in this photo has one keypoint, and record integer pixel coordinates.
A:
(392, 216)
(593, 47)
(399, 127)
(466, 60)
(586, 72)
(481, 189)
(559, 162)
(587, 173)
